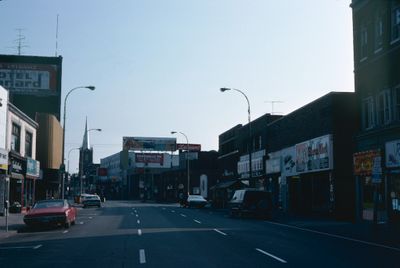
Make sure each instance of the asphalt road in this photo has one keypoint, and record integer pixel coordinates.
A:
(128, 234)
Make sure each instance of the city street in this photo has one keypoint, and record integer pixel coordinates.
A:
(131, 234)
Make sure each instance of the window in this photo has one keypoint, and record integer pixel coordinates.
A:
(378, 31)
(15, 137)
(368, 113)
(363, 43)
(395, 23)
(397, 102)
(28, 144)
(384, 107)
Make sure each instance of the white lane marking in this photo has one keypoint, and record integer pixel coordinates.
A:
(199, 222)
(137, 216)
(66, 231)
(218, 231)
(173, 211)
(139, 232)
(26, 247)
(335, 236)
(90, 217)
(270, 255)
(183, 215)
(163, 208)
(81, 222)
(142, 256)
(138, 221)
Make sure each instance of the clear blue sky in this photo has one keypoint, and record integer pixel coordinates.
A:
(158, 64)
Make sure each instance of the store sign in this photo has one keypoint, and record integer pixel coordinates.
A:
(363, 162)
(190, 147)
(289, 162)
(149, 144)
(314, 155)
(393, 154)
(32, 168)
(18, 166)
(3, 159)
(32, 79)
(149, 158)
(273, 164)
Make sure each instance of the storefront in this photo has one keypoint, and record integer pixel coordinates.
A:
(392, 154)
(3, 179)
(257, 169)
(273, 182)
(32, 174)
(17, 178)
(370, 185)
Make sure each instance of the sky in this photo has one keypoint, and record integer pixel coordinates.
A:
(158, 65)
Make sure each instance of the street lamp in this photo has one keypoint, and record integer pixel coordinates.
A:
(187, 159)
(63, 144)
(250, 134)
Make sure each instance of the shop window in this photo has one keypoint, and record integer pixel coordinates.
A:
(368, 113)
(15, 137)
(28, 144)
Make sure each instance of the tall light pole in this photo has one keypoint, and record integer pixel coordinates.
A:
(250, 134)
(63, 144)
(187, 159)
(81, 158)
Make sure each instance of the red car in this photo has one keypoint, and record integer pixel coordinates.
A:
(52, 212)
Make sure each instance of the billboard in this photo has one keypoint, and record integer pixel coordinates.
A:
(289, 161)
(364, 162)
(34, 83)
(32, 168)
(148, 158)
(149, 144)
(28, 78)
(314, 155)
(190, 147)
(393, 154)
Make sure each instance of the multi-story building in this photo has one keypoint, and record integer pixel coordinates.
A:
(376, 35)
(3, 151)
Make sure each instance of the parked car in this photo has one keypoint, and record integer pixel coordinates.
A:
(91, 200)
(251, 202)
(197, 201)
(54, 212)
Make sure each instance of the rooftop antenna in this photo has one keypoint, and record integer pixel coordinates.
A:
(272, 104)
(20, 41)
(57, 36)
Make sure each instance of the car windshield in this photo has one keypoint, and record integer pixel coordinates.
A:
(199, 133)
(49, 204)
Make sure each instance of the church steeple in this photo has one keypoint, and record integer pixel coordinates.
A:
(86, 143)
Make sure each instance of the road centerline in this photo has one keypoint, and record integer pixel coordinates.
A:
(183, 215)
(220, 232)
(142, 256)
(270, 255)
(199, 222)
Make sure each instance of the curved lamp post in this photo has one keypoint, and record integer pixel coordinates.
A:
(187, 159)
(250, 134)
(63, 143)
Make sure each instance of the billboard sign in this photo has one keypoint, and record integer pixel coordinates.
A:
(393, 154)
(32, 168)
(149, 144)
(29, 78)
(190, 147)
(363, 162)
(289, 161)
(148, 158)
(314, 155)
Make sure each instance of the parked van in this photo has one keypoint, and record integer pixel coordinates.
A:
(251, 202)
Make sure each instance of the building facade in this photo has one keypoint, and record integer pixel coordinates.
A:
(376, 35)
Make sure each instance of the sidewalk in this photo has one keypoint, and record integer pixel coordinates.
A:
(15, 222)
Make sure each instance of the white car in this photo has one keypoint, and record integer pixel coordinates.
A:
(196, 201)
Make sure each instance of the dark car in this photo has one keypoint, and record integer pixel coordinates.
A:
(251, 202)
(52, 212)
(91, 200)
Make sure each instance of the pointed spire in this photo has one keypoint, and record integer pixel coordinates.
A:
(86, 143)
